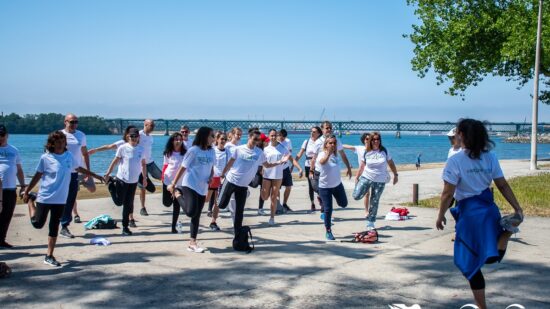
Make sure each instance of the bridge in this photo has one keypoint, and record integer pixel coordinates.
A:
(167, 126)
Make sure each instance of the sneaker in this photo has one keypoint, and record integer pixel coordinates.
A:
(195, 248)
(322, 216)
(50, 260)
(77, 219)
(126, 232)
(143, 212)
(287, 209)
(132, 223)
(66, 233)
(214, 227)
(261, 212)
(370, 225)
(329, 236)
(510, 223)
(209, 214)
(271, 221)
(5, 245)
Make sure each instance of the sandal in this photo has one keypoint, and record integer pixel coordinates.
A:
(510, 222)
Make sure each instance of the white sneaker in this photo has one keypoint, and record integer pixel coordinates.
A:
(261, 212)
(370, 225)
(271, 221)
(195, 249)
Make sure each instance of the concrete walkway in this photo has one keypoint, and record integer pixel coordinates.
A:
(292, 266)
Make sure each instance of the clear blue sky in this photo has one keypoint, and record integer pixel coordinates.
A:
(285, 59)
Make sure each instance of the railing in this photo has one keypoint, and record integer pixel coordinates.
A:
(167, 126)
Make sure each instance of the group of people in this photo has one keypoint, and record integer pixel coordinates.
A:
(218, 169)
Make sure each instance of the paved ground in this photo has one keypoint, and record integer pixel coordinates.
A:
(293, 266)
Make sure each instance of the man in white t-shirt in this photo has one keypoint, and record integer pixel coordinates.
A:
(287, 170)
(185, 131)
(76, 145)
(146, 141)
(10, 171)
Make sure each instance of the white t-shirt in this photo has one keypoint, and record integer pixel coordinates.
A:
(56, 172)
(452, 152)
(310, 149)
(230, 147)
(471, 176)
(129, 166)
(9, 159)
(174, 163)
(245, 166)
(360, 152)
(119, 143)
(75, 142)
(188, 143)
(272, 155)
(222, 157)
(288, 144)
(146, 141)
(198, 165)
(319, 147)
(376, 166)
(329, 172)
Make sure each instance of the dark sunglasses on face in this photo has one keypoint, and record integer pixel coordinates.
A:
(375, 139)
(73, 121)
(184, 132)
(223, 139)
(133, 136)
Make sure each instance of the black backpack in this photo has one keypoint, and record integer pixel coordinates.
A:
(240, 242)
(110, 224)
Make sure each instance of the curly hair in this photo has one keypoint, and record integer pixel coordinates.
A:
(53, 138)
(474, 137)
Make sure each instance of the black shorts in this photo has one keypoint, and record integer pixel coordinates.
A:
(287, 178)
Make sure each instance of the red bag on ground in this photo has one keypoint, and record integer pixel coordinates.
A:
(403, 212)
(367, 237)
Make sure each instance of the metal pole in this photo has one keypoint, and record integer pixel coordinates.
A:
(534, 121)
(415, 194)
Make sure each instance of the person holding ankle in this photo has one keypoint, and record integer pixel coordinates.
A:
(481, 233)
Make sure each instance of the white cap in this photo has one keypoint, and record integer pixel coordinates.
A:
(452, 132)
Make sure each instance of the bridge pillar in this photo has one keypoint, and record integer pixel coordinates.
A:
(339, 129)
(166, 125)
(398, 131)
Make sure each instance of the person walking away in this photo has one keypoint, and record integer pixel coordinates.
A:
(146, 141)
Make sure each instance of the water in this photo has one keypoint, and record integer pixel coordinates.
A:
(403, 150)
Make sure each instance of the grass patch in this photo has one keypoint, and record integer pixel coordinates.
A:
(532, 192)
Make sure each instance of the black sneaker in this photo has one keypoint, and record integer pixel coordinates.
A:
(5, 245)
(126, 232)
(77, 219)
(209, 214)
(285, 206)
(66, 233)
(214, 226)
(143, 212)
(132, 223)
(50, 260)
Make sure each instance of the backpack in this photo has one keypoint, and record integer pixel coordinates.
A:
(240, 242)
(110, 224)
(101, 222)
(368, 237)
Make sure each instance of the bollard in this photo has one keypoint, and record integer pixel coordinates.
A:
(415, 194)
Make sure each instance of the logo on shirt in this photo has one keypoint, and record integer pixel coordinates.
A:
(478, 170)
(204, 160)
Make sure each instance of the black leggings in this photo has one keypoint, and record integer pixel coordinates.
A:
(478, 282)
(41, 214)
(9, 199)
(127, 193)
(310, 187)
(192, 203)
(227, 190)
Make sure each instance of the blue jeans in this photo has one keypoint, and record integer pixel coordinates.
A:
(326, 195)
(361, 189)
(71, 199)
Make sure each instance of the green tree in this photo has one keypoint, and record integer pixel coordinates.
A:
(463, 41)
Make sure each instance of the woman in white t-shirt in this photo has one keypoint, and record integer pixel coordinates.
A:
(308, 148)
(174, 151)
(273, 176)
(197, 170)
(373, 174)
(131, 164)
(222, 156)
(359, 150)
(54, 173)
(481, 234)
(327, 163)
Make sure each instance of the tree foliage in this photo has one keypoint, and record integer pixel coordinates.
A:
(46, 123)
(463, 41)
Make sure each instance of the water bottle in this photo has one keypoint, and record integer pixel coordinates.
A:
(179, 227)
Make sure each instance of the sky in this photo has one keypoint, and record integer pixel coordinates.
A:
(284, 59)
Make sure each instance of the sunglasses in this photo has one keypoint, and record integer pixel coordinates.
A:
(375, 139)
(73, 121)
(223, 139)
(133, 136)
(184, 132)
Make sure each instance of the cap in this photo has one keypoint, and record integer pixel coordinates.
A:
(264, 138)
(452, 132)
(3, 129)
(133, 131)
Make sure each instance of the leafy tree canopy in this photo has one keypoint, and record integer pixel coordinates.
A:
(46, 123)
(463, 41)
